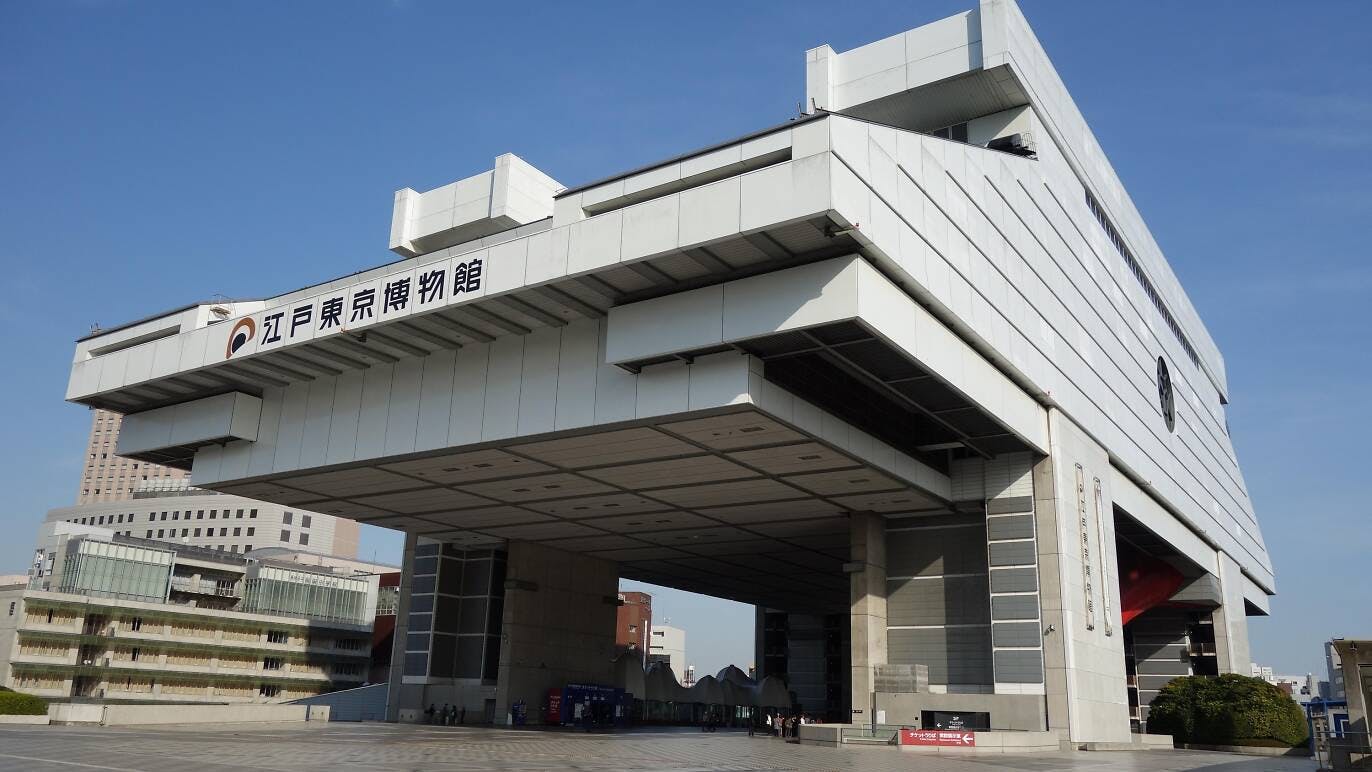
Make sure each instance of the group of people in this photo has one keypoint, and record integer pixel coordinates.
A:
(786, 726)
(446, 715)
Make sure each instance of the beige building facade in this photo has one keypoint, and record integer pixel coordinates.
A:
(108, 477)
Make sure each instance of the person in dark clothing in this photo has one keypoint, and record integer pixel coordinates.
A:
(443, 714)
(452, 715)
(462, 715)
(429, 713)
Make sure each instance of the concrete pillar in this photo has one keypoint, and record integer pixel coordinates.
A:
(396, 674)
(1050, 596)
(1231, 620)
(1079, 588)
(867, 607)
(558, 628)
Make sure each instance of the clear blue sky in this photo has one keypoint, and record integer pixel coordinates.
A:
(157, 153)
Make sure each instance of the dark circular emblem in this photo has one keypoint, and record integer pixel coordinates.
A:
(1166, 400)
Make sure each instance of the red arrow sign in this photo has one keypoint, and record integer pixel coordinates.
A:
(936, 737)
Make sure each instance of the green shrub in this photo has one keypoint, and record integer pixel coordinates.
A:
(17, 704)
(1228, 710)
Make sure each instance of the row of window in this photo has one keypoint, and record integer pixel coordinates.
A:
(1137, 270)
(214, 513)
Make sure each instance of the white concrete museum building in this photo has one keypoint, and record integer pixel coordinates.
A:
(907, 372)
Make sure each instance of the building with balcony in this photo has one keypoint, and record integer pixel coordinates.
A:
(105, 616)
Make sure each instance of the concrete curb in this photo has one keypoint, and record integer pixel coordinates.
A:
(1250, 750)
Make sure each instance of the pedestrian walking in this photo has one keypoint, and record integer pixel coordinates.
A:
(429, 713)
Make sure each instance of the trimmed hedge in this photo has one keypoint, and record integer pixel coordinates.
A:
(17, 704)
(1229, 710)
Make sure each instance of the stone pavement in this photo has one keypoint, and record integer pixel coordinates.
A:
(341, 747)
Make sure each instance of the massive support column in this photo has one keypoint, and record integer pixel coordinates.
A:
(1085, 679)
(867, 607)
(395, 678)
(558, 626)
(1231, 619)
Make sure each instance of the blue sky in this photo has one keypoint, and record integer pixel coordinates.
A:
(156, 153)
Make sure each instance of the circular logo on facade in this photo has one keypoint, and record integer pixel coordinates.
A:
(1166, 399)
(242, 332)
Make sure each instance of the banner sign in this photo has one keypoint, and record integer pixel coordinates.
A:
(939, 738)
(352, 309)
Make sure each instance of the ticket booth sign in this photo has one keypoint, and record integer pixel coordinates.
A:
(938, 738)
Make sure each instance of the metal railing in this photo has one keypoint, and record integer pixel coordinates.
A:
(872, 733)
(1342, 750)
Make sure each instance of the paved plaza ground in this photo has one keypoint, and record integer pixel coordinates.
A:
(342, 747)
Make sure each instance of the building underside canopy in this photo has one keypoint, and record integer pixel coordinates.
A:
(735, 504)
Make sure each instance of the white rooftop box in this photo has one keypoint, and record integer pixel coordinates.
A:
(514, 193)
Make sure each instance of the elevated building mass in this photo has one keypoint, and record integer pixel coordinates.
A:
(907, 372)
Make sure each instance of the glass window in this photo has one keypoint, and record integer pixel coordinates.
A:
(252, 531)
(160, 533)
(252, 513)
(223, 531)
(197, 532)
(304, 521)
(238, 532)
(285, 535)
(304, 538)
(286, 517)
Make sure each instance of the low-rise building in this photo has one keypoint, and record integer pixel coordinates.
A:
(668, 645)
(124, 619)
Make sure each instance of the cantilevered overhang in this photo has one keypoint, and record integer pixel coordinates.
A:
(706, 219)
(850, 340)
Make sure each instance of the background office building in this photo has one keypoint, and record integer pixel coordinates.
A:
(124, 619)
(215, 521)
(907, 372)
(667, 645)
(633, 622)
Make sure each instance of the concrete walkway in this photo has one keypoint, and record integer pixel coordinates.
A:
(343, 747)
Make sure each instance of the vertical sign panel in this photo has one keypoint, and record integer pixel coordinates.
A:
(1084, 532)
